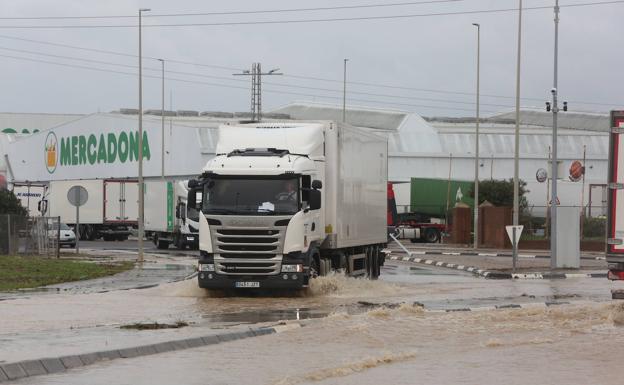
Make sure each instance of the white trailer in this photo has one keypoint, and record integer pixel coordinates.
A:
(284, 202)
(109, 213)
(168, 220)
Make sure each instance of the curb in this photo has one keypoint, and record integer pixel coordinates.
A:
(29, 368)
(477, 254)
(531, 305)
(493, 274)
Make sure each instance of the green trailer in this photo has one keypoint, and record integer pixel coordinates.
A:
(432, 197)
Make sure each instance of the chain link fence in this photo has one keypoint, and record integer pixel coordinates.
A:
(29, 235)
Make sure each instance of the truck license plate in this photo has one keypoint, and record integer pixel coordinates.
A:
(190, 238)
(247, 284)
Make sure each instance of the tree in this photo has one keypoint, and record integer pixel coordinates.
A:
(500, 193)
(9, 204)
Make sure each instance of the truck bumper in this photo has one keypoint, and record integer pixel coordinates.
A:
(212, 280)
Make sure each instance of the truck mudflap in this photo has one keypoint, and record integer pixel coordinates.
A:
(212, 280)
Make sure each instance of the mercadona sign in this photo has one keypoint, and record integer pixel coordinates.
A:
(104, 146)
(77, 150)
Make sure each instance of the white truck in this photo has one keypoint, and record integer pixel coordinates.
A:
(168, 219)
(111, 210)
(285, 202)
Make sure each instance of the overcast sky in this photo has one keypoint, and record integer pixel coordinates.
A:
(433, 52)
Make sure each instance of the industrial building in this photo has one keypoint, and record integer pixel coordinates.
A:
(100, 145)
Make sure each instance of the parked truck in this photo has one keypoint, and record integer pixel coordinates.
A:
(168, 219)
(615, 202)
(285, 202)
(413, 226)
(110, 213)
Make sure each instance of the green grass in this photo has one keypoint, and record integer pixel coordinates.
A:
(33, 271)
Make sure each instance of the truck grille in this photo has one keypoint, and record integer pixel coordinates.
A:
(246, 267)
(246, 241)
(247, 250)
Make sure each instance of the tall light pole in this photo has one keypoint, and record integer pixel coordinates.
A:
(476, 188)
(162, 120)
(141, 185)
(555, 110)
(344, 92)
(516, 198)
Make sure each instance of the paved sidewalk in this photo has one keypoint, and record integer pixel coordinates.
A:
(497, 263)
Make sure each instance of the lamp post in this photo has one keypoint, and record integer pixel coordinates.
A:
(476, 182)
(344, 92)
(162, 120)
(516, 188)
(141, 185)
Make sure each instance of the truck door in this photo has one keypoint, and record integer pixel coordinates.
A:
(121, 201)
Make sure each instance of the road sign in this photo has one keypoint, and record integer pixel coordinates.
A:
(514, 237)
(541, 175)
(77, 196)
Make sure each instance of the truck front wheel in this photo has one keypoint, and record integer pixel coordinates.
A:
(432, 235)
(162, 244)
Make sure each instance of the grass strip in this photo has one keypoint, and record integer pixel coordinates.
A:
(19, 272)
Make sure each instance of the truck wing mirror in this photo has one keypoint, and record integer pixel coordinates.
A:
(42, 206)
(191, 198)
(315, 200)
(317, 184)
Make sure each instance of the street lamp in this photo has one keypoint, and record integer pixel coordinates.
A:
(516, 187)
(476, 182)
(344, 92)
(162, 120)
(141, 185)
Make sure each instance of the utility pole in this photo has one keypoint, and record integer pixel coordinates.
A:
(162, 120)
(141, 185)
(516, 198)
(476, 188)
(256, 88)
(344, 92)
(555, 111)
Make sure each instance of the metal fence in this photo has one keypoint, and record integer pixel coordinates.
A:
(29, 235)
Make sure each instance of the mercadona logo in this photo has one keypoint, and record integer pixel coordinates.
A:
(51, 152)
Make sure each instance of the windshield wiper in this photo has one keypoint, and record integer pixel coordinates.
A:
(221, 211)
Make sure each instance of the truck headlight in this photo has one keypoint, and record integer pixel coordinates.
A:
(292, 268)
(206, 267)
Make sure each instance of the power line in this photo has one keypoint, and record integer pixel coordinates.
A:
(243, 81)
(367, 84)
(299, 21)
(90, 68)
(116, 53)
(223, 13)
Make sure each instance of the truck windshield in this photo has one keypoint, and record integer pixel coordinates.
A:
(249, 195)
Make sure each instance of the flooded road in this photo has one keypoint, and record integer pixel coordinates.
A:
(335, 310)
(573, 344)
